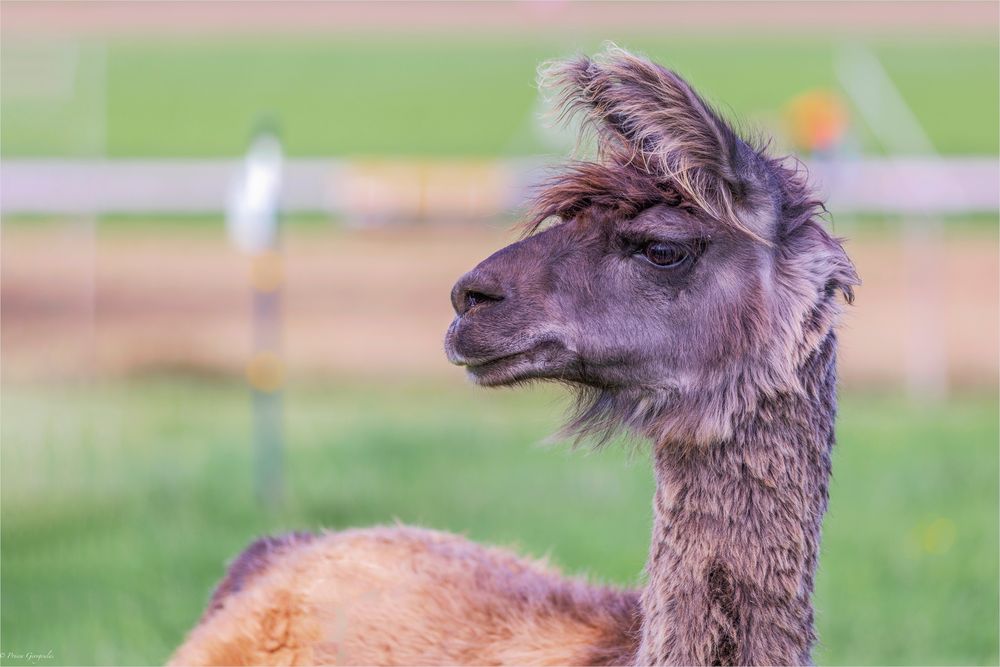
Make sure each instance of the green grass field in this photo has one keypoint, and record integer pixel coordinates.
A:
(444, 97)
(121, 503)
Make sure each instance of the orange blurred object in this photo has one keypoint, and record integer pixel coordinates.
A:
(817, 120)
(265, 372)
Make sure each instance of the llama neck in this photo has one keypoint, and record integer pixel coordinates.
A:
(736, 534)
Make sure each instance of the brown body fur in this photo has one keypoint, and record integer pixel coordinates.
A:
(406, 596)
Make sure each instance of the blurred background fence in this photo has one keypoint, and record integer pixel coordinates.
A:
(411, 134)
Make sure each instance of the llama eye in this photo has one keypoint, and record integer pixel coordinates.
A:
(666, 255)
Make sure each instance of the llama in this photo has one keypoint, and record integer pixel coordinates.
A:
(687, 292)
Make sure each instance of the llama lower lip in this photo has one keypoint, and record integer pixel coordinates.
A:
(541, 360)
(480, 367)
(504, 370)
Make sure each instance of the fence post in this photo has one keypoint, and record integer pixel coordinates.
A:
(253, 223)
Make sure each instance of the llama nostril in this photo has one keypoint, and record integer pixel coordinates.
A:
(475, 289)
(474, 298)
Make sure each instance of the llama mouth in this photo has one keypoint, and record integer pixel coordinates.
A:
(539, 357)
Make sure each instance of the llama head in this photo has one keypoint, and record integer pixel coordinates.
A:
(683, 277)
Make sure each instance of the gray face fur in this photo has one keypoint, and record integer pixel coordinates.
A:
(686, 276)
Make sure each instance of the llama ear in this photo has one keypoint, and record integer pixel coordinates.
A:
(822, 256)
(843, 276)
(649, 118)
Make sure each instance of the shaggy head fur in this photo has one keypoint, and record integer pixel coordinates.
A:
(684, 278)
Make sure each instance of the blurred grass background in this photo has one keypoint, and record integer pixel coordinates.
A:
(447, 97)
(121, 500)
(122, 497)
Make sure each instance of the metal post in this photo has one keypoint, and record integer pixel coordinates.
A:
(253, 222)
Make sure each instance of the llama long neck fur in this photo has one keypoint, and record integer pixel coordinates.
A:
(736, 534)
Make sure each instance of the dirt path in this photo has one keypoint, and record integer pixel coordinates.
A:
(375, 303)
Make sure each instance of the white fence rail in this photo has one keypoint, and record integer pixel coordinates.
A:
(447, 189)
